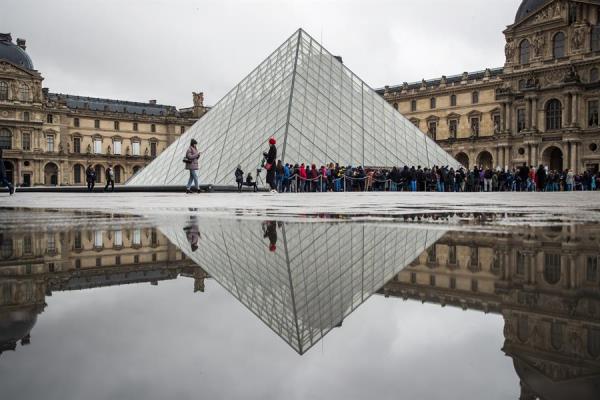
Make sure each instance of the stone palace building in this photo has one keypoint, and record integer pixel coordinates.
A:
(51, 138)
(540, 108)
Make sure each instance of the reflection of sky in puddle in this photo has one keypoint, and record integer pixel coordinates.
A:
(534, 292)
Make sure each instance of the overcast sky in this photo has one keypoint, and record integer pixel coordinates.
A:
(165, 49)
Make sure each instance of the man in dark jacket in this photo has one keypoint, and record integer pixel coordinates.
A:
(3, 178)
(542, 178)
(239, 177)
(270, 158)
(90, 177)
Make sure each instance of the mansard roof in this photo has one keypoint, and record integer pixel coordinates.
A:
(110, 105)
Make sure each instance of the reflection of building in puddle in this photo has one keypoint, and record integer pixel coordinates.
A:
(35, 264)
(300, 279)
(546, 287)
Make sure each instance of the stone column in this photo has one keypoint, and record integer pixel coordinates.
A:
(575, 110)
(509, 118)
(566, 111)
(573, 157)
(528, 155)
(534, 115)
(503, 127)
(534, 150)
(527, 114)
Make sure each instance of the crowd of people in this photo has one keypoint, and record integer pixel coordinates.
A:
(336, 178)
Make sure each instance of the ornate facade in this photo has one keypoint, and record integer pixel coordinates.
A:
(540, 108)
(50, 138)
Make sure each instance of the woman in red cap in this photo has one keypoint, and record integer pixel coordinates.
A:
(270, 158)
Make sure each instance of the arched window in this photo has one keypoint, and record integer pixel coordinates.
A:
(453, 100)
(5, 139)
(552, 268)
(594, 75)
(524, 52)
(432, 103)
(413, 105)
(595, 39)
(553, 115)
(559, 45)
(77, 173)
(118, 170)
(3, 90)
(475, 97)
(24, 93)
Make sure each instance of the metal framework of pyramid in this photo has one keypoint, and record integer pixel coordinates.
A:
(316, 108)
(313, 280)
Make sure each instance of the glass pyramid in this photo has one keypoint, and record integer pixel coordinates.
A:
(316, 108)
(317, 274)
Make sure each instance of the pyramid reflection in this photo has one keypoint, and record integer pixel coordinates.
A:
(300, 279)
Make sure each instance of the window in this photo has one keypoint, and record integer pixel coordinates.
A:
(594, 75)
(475, 257)
(595, 41)
(50, 143)
(432, 103)
(524, 52)
(453, 100)
(558, 49)
(432, 130)
(97, 123)
(136, 259)
(475, 97)
(137, 237)
(98, 239)
(552, 268)
(415, 122)
(77, 172)
(118, 242)
(3, 90)
(76, 122)
(117, 260)
(118, 174)
(26, 141)
(153, 149)
(98, 146)
(76, 145)
(453, 128)
(591, 273)
(98, 261)
(135, 148)
(497, 123)
(182, 129)
(78, 263)
(27, 245)
(153, 238)
(24, 93)
(593, 113)
(117, 146)
(116, 125)
(26, 116)
(521, 263)
(152, 128)
(413, 105)
(432, 255)
(451, 255)
(521, 119)
(50, 118)
(77, 242)
(553, 115)
(475, 126)
(135, 126)
(5, 139)
(51, 243)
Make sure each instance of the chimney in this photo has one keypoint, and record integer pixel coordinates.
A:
(339, 58)
(21, 44)
(152, 101)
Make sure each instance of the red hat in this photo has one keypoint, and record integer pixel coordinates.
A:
(272, 141)
(272, 247)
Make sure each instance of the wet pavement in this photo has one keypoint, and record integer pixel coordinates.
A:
(268, 297)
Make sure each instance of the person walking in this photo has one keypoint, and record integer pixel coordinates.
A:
(191, 164)
(90, 177)
(569, 180)
(270, 157)
(239, 177)
(110, 179)
(3, 178)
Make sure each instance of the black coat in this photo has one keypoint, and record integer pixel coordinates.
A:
(271, 155)
(2, 169)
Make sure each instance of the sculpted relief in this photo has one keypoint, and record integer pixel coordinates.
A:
(509, 50)
(538, 43)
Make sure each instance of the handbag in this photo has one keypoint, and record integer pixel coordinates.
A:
(268, 166)
(187, 160)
